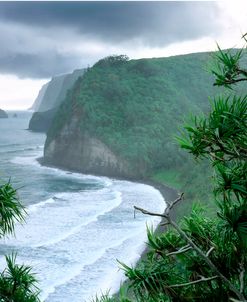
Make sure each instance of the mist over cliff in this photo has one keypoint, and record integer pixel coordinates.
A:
(49, 98)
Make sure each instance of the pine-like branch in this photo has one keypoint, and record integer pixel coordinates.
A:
(202, 279)
(204, 256)
(181, 250)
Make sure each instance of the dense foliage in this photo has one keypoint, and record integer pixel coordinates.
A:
(134, 106)
(204, 258)
(17, 282)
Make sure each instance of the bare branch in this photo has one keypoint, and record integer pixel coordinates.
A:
(215, 157)
(150, 213)
(193, 245)
(173, 203)
(229, 82)
(203, 279)
(181, 250)
(165, 223)
(241, 276)
(210, 251)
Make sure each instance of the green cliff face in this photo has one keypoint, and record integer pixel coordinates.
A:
(133, 108)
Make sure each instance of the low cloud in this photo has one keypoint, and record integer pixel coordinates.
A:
(41, 39)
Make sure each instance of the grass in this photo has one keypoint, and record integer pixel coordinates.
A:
(169, 178)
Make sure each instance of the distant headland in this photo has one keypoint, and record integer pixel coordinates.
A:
(3, 114)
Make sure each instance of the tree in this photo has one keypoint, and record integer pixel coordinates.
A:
(205, 258)
(17, 283)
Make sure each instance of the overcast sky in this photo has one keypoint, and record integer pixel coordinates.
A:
(41, 39)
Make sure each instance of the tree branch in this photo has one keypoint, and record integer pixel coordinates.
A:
(181, 250)
(229, 82)
(193, 245)
(150, 213)
(207, 260)
(203, 279)
(173, 203)
(241, 276)
(165, 223)
(210, 251)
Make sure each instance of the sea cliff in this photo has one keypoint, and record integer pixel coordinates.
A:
(3, 114)
(49, 98)
(78, 151)
(120, 119)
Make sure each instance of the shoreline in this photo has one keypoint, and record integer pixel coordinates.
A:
(167, 193)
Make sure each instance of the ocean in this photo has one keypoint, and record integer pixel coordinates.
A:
(77, 225)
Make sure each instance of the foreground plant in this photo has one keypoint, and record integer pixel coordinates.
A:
(17, 282)
(205, 258)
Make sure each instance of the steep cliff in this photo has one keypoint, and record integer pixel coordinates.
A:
(75, 150)
(54, 92)
(120, 119)
(49, 98)
(39, 98)
(67, 84)
(41, 121)
(3, 114)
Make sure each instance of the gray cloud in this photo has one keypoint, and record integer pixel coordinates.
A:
(34, 33)
(38, 66)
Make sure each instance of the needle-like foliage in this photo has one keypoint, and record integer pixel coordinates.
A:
(11, 210)
(205, 258)
(17, 282)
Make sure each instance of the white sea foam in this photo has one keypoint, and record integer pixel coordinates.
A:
(55, 219)
(26, 160)
(87, 220)
(112, 277)
(35, 207)
(32, 160)
(73, 238)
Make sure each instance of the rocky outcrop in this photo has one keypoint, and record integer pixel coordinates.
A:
(41, 121)
(77, 151)
(3, 114)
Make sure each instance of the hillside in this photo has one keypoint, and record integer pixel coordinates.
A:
(121, 119)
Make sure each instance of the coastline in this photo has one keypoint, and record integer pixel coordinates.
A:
(168, 194)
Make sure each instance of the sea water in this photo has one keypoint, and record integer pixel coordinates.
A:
(77, 226)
